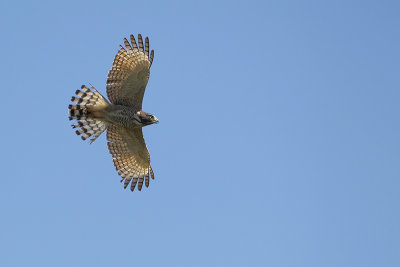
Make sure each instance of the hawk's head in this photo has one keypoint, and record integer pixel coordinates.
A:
(147, 118)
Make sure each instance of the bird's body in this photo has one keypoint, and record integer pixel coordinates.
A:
(122, 116)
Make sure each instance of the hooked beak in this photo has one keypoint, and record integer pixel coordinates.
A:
(155, 119)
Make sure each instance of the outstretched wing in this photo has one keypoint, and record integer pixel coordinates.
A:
(130, 155)
(128, 77)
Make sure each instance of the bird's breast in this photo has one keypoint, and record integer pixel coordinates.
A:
(123, 116)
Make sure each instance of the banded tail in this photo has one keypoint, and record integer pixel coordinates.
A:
(88, 113)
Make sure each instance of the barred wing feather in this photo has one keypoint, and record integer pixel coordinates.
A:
(130, 156)
(128, 77)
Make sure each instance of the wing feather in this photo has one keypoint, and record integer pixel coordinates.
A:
(151, 57)
(147, 180)
(133, 41)
(129, 74)
(140, 41)
(130, 155)
(146, 47)
(127, 44)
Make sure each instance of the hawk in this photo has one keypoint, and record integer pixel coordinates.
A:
(122, 116)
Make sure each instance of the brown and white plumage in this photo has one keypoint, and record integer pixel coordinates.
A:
(87, 100)
(128, 77)
(130, 155)
(122, 116)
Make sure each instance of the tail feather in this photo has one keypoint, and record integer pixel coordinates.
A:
(87, 112)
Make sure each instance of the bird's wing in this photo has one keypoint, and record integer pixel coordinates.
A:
(130, 155)
(128, 77)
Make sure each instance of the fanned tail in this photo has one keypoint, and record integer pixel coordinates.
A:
(88, 113)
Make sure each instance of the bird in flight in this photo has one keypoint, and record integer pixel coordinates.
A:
(122, 116)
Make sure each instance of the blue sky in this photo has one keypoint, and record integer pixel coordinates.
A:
(278, 142)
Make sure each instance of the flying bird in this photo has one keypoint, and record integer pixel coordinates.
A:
(122, 116)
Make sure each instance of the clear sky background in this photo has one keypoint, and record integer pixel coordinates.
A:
(278, 142)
